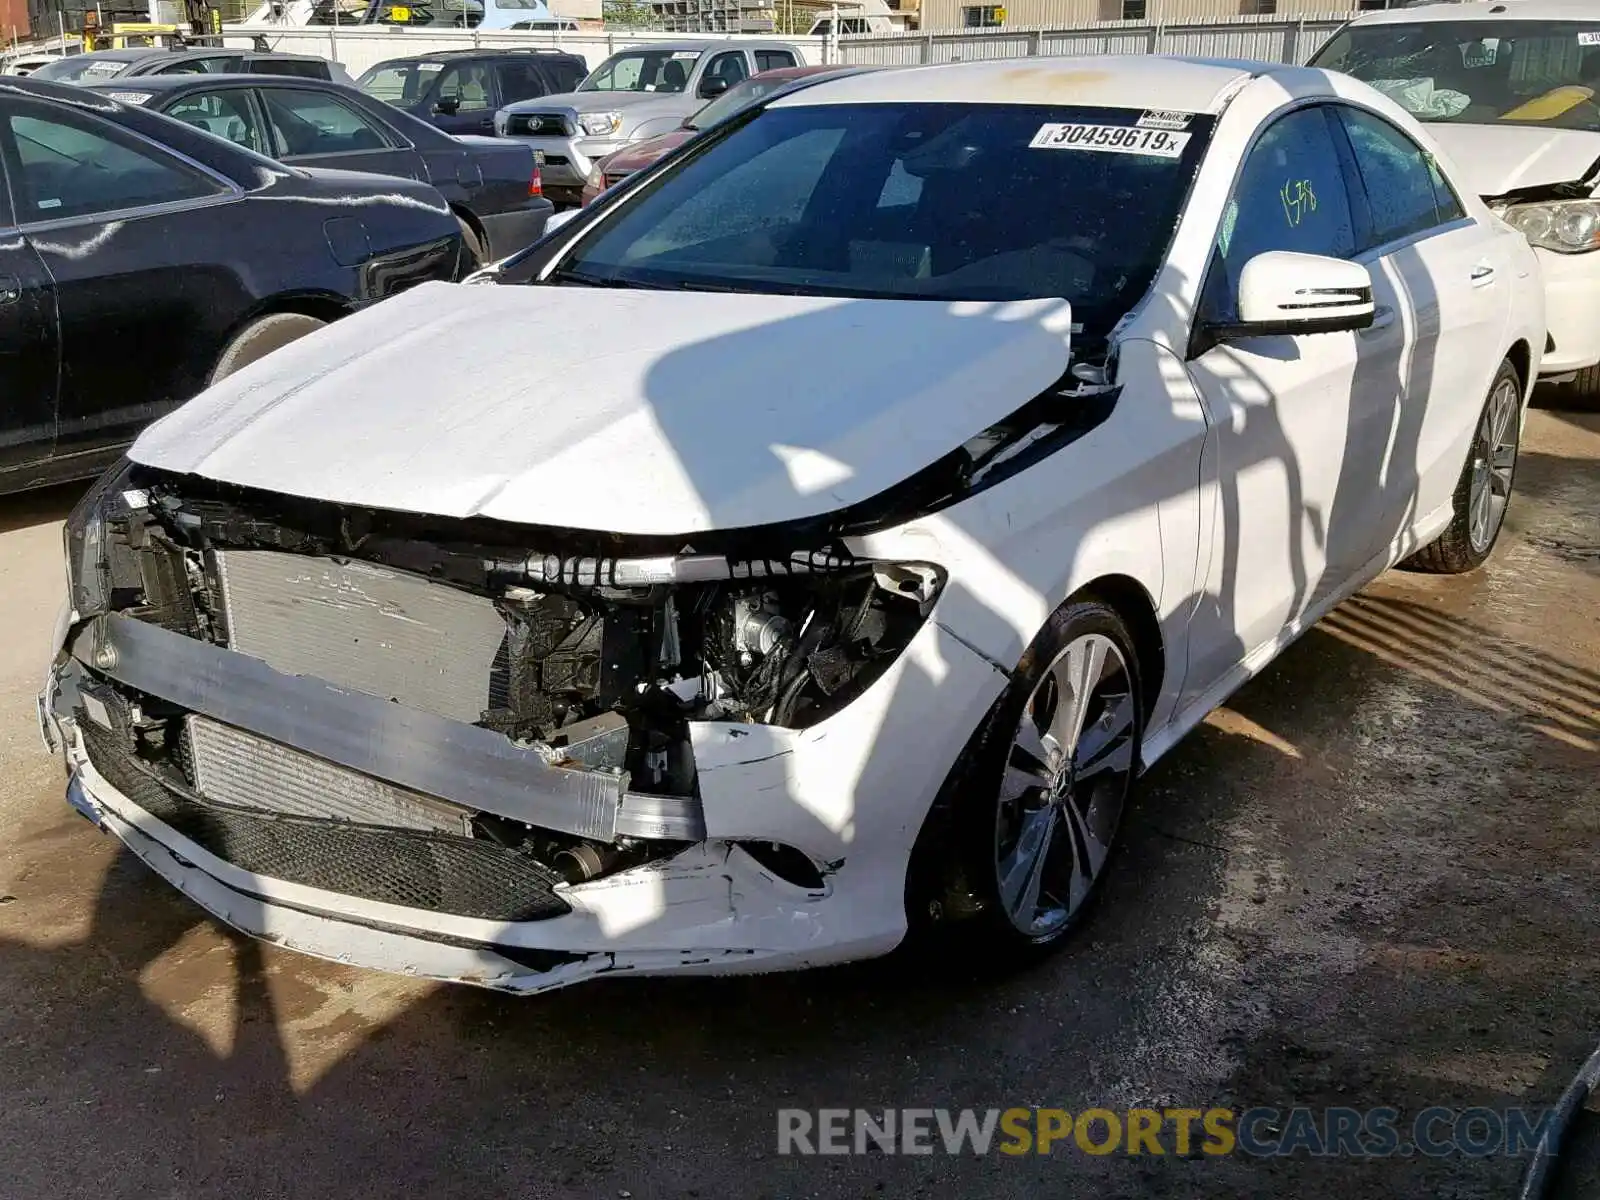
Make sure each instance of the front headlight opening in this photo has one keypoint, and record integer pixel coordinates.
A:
(1565, 226)
(599, 124)
(84, 538)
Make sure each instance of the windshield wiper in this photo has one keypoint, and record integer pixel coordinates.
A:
(584, 279)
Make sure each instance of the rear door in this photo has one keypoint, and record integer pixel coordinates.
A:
(138, 242)
(1453, 273)
(29, 345)
(319, 129)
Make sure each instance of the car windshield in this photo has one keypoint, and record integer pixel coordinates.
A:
(402, 83)
(643, 71)
(911, 201)
(736, 99)
(82, 68)
(1478, 72)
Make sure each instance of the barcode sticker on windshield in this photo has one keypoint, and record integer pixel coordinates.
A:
(1110, 139)
(1589, 37)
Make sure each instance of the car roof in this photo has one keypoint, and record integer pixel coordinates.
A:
(1099, 81)
(699, 44)
(1500, 10)
(156, 84)
(486, 52)
(132, 54)
(781, 73)
(229, 51)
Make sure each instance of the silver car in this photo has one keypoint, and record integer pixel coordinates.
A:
(633, 95)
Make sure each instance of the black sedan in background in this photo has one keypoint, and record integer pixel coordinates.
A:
(492, 184)
(141, 260)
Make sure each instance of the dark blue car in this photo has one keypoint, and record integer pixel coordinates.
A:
(460, 90)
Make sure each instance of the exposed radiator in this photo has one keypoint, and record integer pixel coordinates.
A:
(392, 635)
(234, 767)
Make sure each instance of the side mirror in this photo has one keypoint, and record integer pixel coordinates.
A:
(1283, 292)
(712, 85)
(447, 106)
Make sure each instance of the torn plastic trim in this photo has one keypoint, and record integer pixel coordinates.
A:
(1581, 188)
(468, 765)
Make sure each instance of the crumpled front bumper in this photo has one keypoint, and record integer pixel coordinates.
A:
(851, 792)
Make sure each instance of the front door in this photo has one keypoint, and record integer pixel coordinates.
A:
(463, 99)
(137, 270)
(29, 348)
(1291, 518)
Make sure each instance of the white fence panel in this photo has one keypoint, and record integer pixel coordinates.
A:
(1268, 39)
(359, 47)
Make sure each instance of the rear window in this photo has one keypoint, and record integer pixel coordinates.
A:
(403, 82)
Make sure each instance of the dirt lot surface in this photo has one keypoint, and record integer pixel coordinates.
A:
(1373, 880)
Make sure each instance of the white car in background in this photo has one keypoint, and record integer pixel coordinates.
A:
(949, 442)
(1512, 92)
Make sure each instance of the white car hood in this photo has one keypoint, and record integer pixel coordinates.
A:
(1496, 159)
(648, 412)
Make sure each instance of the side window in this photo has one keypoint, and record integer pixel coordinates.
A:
(1290, 195)
(317, 123)
(470, 86)
(729, 66)
(1397, 175)
(520, 81)
(225, 114)
(65, 167)
(1444, 196)
(565, 76)
(770, 60)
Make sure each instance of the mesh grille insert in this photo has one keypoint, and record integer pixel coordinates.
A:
(432, 871)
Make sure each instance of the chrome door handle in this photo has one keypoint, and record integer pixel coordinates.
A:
(1382, 318)
(10, 289)
(1482, 275)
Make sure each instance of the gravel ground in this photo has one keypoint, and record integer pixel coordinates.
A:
(1371, 881)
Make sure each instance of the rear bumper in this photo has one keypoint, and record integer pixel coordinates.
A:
(509, 232)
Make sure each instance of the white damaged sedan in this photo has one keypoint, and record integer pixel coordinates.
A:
(814, 539)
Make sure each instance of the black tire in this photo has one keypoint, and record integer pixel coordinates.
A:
(260, 338)
(473, 252)
(1581, 393)
(1463, 547)
(955, 897)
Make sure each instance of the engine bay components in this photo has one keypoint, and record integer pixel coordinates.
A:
(594, 655)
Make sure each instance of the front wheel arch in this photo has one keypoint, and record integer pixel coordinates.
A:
(937, 894)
